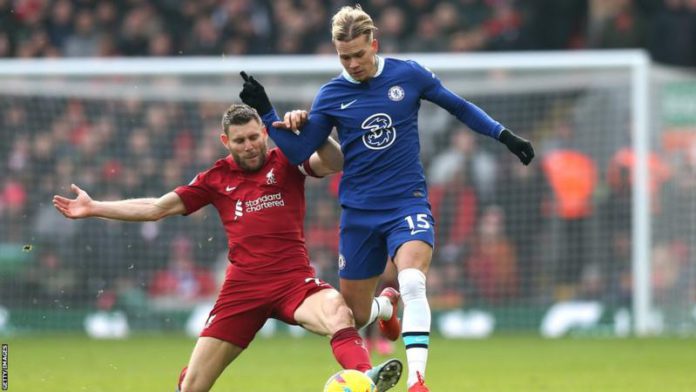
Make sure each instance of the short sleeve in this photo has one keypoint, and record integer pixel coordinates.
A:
(196, 194)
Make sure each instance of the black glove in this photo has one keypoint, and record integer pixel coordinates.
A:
(254, 95)
(518, 146)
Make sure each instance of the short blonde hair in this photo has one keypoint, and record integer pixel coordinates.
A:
(351, 22)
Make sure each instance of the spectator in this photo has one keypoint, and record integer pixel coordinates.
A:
(204, 39)
(673, 36)
(322, 229)
(455, 207)
(84, 42)
(615, 24)
(572, 179)
(520, 193)
(464, 154)
(392, 22)
(60, 22)
(492, 266)
(183, 283)
(428, 37)
(13, 197)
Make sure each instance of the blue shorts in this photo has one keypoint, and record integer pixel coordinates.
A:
(368, 237)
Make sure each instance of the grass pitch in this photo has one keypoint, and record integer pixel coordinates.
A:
(500, 364)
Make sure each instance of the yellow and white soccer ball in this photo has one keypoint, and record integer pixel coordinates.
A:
(350, 381)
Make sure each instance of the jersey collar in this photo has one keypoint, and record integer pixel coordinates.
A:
(380, 67)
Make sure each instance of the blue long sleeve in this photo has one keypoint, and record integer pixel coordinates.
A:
(298, 148)
(468, 113)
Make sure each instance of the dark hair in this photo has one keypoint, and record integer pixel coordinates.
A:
(238, 114)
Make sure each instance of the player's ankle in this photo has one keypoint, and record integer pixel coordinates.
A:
(385, 308)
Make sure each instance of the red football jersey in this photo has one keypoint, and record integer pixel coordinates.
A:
(262, 212)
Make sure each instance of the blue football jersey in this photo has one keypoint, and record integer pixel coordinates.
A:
(377, 124)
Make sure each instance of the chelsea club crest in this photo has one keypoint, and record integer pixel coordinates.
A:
(396, 93)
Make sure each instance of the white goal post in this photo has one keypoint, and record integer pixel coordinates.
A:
(293, 80)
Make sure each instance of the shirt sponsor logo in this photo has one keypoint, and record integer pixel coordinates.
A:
(265, 201)
(380, 132)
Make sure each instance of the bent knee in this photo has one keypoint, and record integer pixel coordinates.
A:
(337, 313)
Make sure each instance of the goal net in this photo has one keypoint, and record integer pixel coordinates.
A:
(597, 235)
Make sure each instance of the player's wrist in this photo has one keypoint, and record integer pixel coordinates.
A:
(505, 136)
(263, 107)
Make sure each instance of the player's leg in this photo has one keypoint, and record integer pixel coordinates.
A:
(412, 259)
(231, 326)
(381, 339)
(359, 295)
(326, 313)
(362, 258)
(390, 328)
(209, 358)
(410, 241)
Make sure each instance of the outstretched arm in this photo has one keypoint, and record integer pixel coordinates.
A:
(473, 116)
(145, 209)
(297, 147)
(481, 122)
(328, 159)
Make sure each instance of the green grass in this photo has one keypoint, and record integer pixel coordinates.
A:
(507, 363)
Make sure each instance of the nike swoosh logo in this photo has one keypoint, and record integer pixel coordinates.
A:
(414, 232)
(230, 188)
(345, 105)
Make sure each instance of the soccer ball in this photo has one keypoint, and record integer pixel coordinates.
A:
(350, 381)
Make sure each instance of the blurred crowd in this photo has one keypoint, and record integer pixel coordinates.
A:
(506, 233)
(88, 28)
(114, 150)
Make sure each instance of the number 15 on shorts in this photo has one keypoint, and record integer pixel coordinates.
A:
(418, 223)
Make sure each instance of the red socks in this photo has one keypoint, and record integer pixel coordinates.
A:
(349, 350)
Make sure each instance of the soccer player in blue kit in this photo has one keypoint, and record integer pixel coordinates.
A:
(374, 105)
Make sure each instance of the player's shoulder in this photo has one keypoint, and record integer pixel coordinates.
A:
(405, 65)
(277, 157)
(221, 168)
(330, 88)
(276, 154)
(330, 93)
(224, 164)
(409, 69)
(396, 63)
(210, 174)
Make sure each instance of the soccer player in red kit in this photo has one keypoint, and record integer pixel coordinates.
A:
(259, 196)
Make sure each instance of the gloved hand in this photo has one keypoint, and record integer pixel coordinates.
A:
(517, 145)
(254, 95)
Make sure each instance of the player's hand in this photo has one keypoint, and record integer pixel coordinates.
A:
(293, 121)
(254, 95)
(518, 146)
(78, 207)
